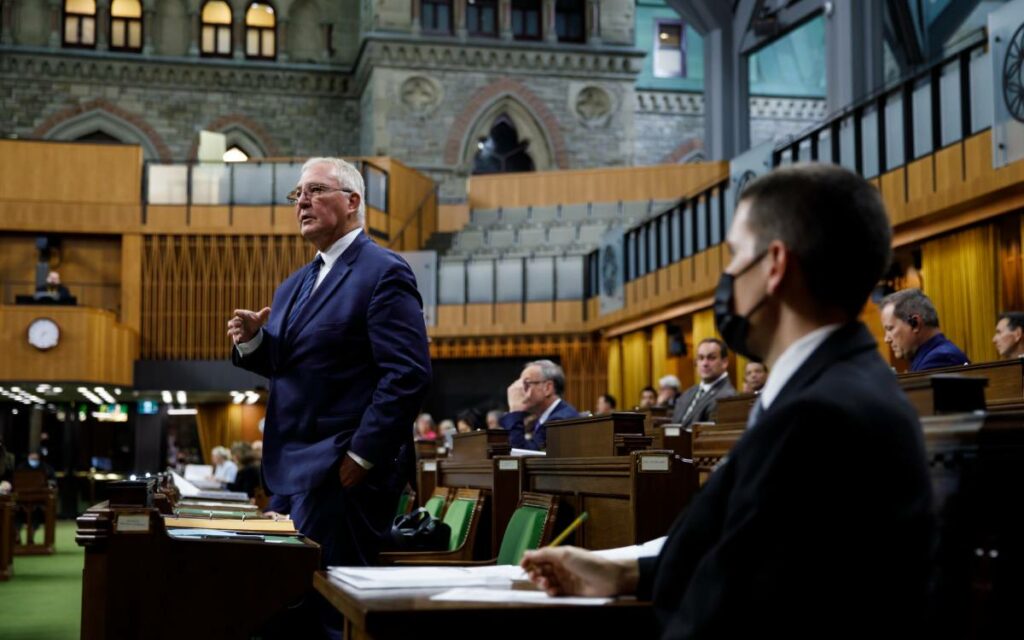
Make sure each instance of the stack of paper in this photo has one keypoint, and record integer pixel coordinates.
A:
(504, 596)
(426, 577)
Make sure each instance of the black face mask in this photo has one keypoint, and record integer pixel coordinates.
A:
(733, 327)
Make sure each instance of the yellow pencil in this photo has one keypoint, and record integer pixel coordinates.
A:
(572, 527)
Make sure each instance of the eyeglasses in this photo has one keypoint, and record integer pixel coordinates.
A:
(313, 191)
(527, 383)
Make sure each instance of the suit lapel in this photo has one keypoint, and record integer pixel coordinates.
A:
(342, 267)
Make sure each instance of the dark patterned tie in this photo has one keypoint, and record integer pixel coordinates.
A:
(693, 403)
(308, 280)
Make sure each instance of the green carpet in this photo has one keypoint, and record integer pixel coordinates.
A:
(44, 598)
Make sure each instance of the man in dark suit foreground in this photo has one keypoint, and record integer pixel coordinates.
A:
(538, 393)
(818, 523)
(344, 346)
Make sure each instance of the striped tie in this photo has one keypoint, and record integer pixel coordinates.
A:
(308, 280)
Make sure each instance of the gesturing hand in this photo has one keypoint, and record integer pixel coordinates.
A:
(517, 396)
(244, 325)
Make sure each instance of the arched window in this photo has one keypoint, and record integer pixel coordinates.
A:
(260, 24)
(502, 151)
(80, 23)
(126, 25)
(216, 35)
(235, 154)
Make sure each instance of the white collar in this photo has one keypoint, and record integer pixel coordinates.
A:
(791, 360)
(705, 386)
(335, 250)
(547, 412)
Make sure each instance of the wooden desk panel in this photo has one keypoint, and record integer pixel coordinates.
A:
(1005, 380)
(405, 613)
(7, 537)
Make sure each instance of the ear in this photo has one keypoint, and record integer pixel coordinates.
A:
(778, 260)
(354, 200)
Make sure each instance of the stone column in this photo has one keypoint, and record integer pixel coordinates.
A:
(102, 25)
(593, 21)
(459, 13)
(196, 31)
(505, 19)
(281, 39)
(56, 24)
(547, 21)
(238, 34)
(417, 24)
(148, 26)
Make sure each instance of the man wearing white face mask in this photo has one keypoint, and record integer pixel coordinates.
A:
(794, 535)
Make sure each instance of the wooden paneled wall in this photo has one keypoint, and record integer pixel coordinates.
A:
(659, 182)
(191, 285)
(412, 205)
(93, 347)
(583, 358)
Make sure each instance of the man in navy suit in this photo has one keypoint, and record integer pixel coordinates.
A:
(345, 349)
(911, 326)
(818, 522)
(538, 393)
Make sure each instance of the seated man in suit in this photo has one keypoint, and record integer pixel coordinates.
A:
(755, 374)
(697, 404)
(53, 289)
(1009, 337)
(911, 326)
(537, 392)
(798, 533)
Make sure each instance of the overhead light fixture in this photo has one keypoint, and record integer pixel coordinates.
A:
(251, 397)
(184, 411)
(117, 392)
(57, 390)
(237, 397)
(165, 395)
(182, 398)
(14, 411)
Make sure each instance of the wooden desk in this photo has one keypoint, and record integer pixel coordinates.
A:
(136, 575)
(29, 501)
(711, 443)
(410, 613)
(480, 445)
(630, 499)
(7, 537)
(1005, 390)
(596, 436)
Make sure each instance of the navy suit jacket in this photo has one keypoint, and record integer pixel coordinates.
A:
(349, 374)
(513, 423)
(938, 352)
(818, 524)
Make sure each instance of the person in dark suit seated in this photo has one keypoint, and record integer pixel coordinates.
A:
(247, 480)
(798, 533)
(648, 398)
(344, 345)
(53, 289)
(537, 392)
(755, 374)
(1009, 337)
(911, 326)
(697, 404)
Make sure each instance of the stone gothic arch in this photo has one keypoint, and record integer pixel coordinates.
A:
(90, 119)
(529, 128)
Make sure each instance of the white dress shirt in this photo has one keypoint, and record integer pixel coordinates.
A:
(547, 412)
(791, 360)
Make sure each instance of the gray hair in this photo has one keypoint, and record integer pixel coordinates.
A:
(670, 381)
(912, 302)
(347, 176)
(221, 451)
(550, 371)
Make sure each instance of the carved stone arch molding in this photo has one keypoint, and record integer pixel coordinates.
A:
(243, 132)
(532, 118)
(75, 122)
(526, 125)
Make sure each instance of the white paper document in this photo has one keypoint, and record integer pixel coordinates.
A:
(513, 595)
(527, 452)
(645, 550)
(198, 471)
(426, 577)
(186, 488)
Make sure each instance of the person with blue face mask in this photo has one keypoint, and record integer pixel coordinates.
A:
(792, 535)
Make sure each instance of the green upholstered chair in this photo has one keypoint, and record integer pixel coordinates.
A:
(463, 516)
(529, 528)
(438, 502)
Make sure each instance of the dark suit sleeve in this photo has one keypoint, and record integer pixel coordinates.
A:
(513, 423)
(258, 361)
(398, 339)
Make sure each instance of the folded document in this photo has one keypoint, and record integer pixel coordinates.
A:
(426, 577)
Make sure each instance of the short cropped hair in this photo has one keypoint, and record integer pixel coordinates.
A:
(912, 302)
(610, 399)
(834, 223)
(723, 350)
(347, 176)
(550, 371)
(1014, 319)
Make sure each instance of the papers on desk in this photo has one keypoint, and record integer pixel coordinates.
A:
(185, 488)
(527, 452)
(199, 475)
(426, 577)
(645, 550)
(466, 594)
